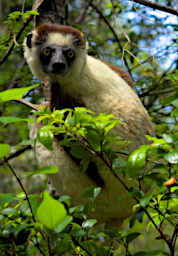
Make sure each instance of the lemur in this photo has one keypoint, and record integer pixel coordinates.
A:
(60, 52)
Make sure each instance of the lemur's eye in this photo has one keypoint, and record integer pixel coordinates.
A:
(70, 54)
(46, 51)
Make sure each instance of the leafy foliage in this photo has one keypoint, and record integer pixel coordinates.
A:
(52, 226)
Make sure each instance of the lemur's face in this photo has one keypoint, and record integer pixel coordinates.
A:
(56, 51)
(57, 59)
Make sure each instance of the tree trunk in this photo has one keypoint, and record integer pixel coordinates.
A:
(51, 11)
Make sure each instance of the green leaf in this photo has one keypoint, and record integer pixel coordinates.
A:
(137, 160)
(145, 200)
(15, 94)
(91, 192)
(155, 177)
(167, 100)
(8, 211)
(51, 212)
(14, 15)
(63, 224)
(45, 136)
(175, 103)
(44, 170)
(14, 119)
(110, 126)
(138, 215)
(24, 206)
(174, 113)
(28, 13)
(79, 152)
(132, 236)
(89, 223)
(65, 199)
(84, 163)
(6, 198)
(172, 157)
(169, 195)
(4, 150)
(94, 139)
(118, 163)
(96, 192)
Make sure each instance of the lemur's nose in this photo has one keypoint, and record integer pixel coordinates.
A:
(58, 67)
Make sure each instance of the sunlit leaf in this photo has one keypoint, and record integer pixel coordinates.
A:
(51, 212)
(175, 103)
(96, 192)
(15, 94)
(145, 200)
(91, 192)
(4, 150)
(6, 198)
(44, 170)
(8, 211)
(45, 136)
(137, 160)
(110, 126)
(89, 223)
(63, 224)
(14, 119)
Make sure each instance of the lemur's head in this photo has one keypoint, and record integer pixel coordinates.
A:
(55, 51)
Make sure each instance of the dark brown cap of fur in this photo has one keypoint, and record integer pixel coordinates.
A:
(44, 29)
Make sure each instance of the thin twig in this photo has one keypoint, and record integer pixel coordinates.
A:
(162, 214)
(9, 51)
(157, 6)
(28, 104)
(81, 246)
(114, 33)
(163, 236)
(27, 198)
(109, 165)
(150, 92)
(17, 153)
(22, 187)
(82, 17)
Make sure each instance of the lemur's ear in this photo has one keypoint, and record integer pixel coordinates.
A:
(79, 39)
(29, 40)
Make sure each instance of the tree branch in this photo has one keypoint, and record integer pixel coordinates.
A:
(22, 187)
(17, 153)
(156, 6)
(114, 33)
(55, 11)
(28, 104)
(28, 201)
(84, 143)
(9, 51)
